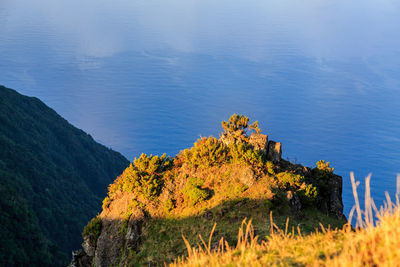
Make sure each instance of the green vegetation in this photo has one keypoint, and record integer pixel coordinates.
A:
(194, 191)
(324, 166)
(224, 181)
(290, 181)
(206, 152)
(243, 153)
(52, 179)
(143, 176)
(237, 126)
(92, 230)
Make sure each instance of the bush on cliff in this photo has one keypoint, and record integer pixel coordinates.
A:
(194, 191)
(237, 126)
(144, 176)
(243, 153)
(206, 152)
(92, 230)
(290, 181)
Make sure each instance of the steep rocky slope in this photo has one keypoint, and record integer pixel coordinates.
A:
(159, 201)
(52, 179)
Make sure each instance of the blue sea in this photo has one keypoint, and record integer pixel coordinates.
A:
(320, 76)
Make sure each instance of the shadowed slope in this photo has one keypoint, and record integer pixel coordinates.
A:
(377, 243)
(57, 170)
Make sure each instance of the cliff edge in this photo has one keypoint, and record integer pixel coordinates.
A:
(159, 201)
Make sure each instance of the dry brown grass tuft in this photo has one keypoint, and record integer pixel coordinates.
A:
(374, 242)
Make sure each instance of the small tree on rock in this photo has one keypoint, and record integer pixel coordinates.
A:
(238, 125)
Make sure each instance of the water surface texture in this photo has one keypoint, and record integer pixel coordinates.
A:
(322, 77)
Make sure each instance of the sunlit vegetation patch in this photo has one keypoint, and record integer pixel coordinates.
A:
(206, 152)
(295, 182)
(238, 126)
(144, 177)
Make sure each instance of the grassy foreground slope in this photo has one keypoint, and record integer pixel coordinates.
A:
(158, 199)
(52, 179)
(375, 242)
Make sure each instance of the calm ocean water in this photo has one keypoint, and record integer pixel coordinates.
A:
(323, 77)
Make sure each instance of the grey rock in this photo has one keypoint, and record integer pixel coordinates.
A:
(259, 142)
(294, 201)
(134, 233)
(111, 240)
(247, 176)
(227, 139)
(274, 151)
(80, 259)
(335, 204)
(88, 247)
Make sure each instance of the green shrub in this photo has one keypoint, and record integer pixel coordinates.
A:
(322, 174)
(206, 152)
(194, 192)
(290, 180)
(245, 154)
(106, 202)
(237, 126)
(168, 205)
(308, 194)
(240, 188)
(270, 167)
(92, 230)
(136, 203)
(144, 176)
(152, 164)
(324, 166)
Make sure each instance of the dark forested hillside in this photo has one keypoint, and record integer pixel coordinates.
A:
(53, 177)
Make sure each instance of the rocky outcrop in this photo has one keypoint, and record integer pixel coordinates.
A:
(271, 149)
(88, 247)
(330, 187)
(259, 142)
(227, 139)
(274, 151)
(80, 259)
(120, 234)
(331, 200)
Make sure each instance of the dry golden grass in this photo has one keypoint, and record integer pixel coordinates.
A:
(374, 242)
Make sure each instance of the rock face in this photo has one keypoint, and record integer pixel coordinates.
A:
(330, 194)
(259, 142)
(80, 259)
(271, 149)
(332, 202)
(274, 151)
(227, 139)
(88, 248)
(118, 232)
